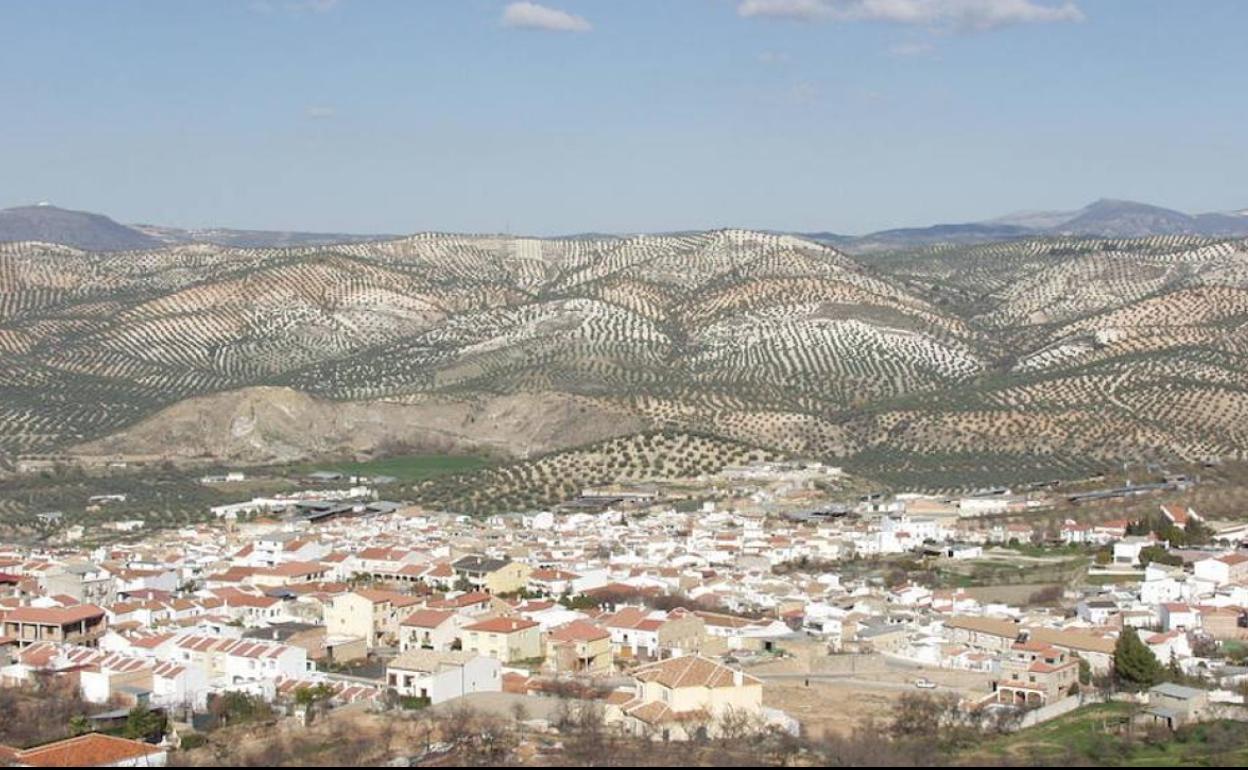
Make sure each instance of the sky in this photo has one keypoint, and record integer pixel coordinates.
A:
(572, 116)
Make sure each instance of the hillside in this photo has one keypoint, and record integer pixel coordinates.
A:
(261, 239)
(96, 232)
(79, 229)
(945, 366)
(1104, 218)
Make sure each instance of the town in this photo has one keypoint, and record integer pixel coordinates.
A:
(764, 608)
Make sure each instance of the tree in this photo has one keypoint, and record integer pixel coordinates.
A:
(1199, 533)
(143, 724)
(1085, 671)
(1134, 663)
(1155, 553)
(313, 699)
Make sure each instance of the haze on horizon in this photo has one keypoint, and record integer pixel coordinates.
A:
(574, 115)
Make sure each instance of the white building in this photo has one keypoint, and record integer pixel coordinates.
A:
(442, 676)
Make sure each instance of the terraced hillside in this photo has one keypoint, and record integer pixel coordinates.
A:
(1027, 359)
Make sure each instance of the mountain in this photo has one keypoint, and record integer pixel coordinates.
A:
(252, 239)
(1103, 218)
(1127, 219)
(96, 232)
(918, 237)
(1035, 221)
(1012, 361)
(80, 229)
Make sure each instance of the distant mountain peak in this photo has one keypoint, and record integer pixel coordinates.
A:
(1105, 217)
(81, 229)
(85, 230)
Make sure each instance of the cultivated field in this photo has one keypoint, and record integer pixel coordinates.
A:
(942, 367)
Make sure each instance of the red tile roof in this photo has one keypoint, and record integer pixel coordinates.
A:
(501, 625)
(91, 750)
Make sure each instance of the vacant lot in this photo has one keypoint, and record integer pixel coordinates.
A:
(835, 693)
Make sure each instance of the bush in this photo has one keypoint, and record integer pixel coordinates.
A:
(192, 741)
(413, 702)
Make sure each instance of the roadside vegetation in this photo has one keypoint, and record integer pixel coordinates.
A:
(1104, 735)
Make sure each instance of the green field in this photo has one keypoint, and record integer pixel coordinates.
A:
(999, 572)
(407, 469)
(1101, 735)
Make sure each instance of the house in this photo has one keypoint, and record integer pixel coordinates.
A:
(1179, 515)
(1096, 611)
(427, 629)
(1221, 570)
(1169, 645)
(579, 647)
(1035, 673)
(290, 573)
(880, 638)
(251, 609)
(744, 633)
(442, 676)
(1074, 533)
(504, 639)
(369, 613)
(133, 581)
(1127, 551)
(275, 548)
(84, 581)
(475, 604)
(91, 750)
(229, 662)
(494, 576)
(105, 677)
(988, 634)
(636, 633)
(1224, 623)
(999, 636)
(315, 640)
(1162, 583)
(551, 582)
(1096, 650)
(683, 698)
(81, 624)
(175, 685)
(1174, 705)
(1108, 531)
(1179, 616)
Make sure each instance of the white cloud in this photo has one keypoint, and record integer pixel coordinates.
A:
(802, 10)
(957, 14)
(534, 16)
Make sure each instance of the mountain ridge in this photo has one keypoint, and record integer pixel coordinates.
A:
(1022, 359)
(1105, 217)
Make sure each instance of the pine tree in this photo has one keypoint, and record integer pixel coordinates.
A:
(1135, 664)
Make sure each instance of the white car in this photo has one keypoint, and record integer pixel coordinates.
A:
(924, 683)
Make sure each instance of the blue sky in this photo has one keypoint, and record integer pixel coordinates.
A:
(618, 115)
